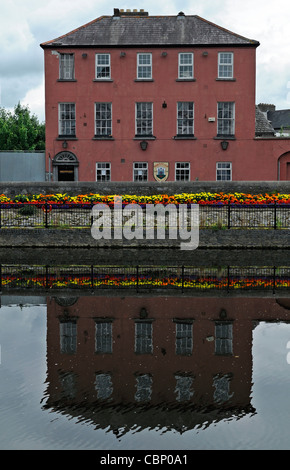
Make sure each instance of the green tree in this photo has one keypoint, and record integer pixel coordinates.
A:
(21, 130)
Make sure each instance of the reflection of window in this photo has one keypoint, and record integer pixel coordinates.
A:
(66, 66)
(103, 386)
(144, 66)
(104, 337)
(183, 387)
(103, 66)
(223, 338)
(225, 64)
(185, 65)
(183, 344)
(68, 337)
(103, 171)
(140, 171)
(143, 337)
(68, 384)
(144, 387)
(222, 388)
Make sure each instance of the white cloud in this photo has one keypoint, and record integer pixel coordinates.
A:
(34, 99)
(24, 24)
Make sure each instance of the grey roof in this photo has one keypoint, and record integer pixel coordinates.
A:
(127, 30)
(263, 126)
(279, 118)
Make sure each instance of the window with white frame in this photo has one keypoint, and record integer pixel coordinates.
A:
(144, 65)
(225, 64)
(185, 118)
(224, 171)
(67, 119)
(182, 171)
(103, 119)
(103, 66)
(103, 337)
(140, 171)
(144, 119)
(185, 65)
(143, 337)
(226, 119)
(103, 171)
(66, 66)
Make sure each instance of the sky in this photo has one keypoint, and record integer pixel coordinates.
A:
(25, 24)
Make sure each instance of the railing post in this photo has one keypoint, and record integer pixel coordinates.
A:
(275, 215)
(46, 215)
(46, 276)
(229, 215)
(182, 279)
(92, 276)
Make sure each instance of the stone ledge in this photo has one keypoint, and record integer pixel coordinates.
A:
(82, 238)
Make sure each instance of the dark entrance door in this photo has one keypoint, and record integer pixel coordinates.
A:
(66, 173)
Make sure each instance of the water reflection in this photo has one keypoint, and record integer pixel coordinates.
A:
(126, 363)
(143, 360)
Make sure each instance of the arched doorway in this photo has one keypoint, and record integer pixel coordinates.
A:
(284, 167)
(65, 167)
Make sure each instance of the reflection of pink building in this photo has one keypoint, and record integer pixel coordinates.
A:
(131, 96)
(154, 350)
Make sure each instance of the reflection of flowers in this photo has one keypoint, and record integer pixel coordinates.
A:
(203, 198)
(195, 282)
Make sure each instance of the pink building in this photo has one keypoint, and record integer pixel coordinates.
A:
(133, 97)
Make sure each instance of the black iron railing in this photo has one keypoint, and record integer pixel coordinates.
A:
(214, 216)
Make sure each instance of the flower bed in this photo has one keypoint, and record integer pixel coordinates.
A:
(203, 198)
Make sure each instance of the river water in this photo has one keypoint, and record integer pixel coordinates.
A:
(204, 368)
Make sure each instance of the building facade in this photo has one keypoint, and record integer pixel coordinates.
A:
(133, 97)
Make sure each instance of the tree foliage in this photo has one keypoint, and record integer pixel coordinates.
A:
(21, 130)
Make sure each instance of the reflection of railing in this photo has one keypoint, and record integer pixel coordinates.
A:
(217, 216)
(145, 277)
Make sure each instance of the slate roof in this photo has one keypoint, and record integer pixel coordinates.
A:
(280, 118)
(128, 29)
(263, 126)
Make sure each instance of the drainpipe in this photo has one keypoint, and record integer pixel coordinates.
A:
(49, 167)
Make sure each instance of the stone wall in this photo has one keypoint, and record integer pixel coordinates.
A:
(13, 188)
(82, 238)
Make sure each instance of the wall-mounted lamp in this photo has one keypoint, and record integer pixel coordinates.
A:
(64, 144)
(143, 145)
(122, 54)
(205, 54)
(224, 144)
(164, 54)
(84, 56)
(164, 104)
